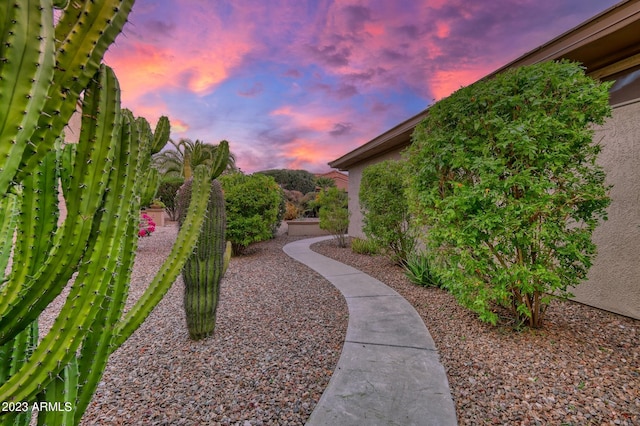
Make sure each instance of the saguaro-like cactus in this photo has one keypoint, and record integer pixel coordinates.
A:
(206, 266)
(43, 69)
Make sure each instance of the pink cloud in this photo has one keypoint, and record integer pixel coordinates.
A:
(164, 56)
(330, 74)
(445, 82)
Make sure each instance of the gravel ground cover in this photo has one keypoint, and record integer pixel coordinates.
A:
(279, 335)
(582, 368)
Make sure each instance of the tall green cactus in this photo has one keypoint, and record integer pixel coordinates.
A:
(206, 266)
(43, 70)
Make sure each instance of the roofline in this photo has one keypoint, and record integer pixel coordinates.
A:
(606, 22)
(380, 144)
(601, 24)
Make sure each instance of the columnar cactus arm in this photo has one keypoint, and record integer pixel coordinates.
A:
(12, 356)
(63, 389)
(222, 159)
(9, 205)
(21, 301)
(160, 135)
(39, 217)
(205, 268)
(67, 156)
(26, 67)
(173, 265)
(88, 290)
(149, 185)
(95, 349)
(83, 34)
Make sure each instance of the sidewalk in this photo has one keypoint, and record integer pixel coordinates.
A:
(389, 372)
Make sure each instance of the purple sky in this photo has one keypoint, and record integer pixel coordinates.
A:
(296, 84)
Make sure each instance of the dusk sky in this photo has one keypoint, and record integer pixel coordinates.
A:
(295, 84)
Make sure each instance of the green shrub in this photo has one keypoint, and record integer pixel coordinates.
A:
(293, 180)
(310, 207)
(253, 205)
(418, 269)
(385, 209)
(167, 194)
(334, 213)
(324, 182)
(364, 246)
(504, 175)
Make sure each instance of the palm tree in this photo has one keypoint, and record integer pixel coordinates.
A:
(188, 154)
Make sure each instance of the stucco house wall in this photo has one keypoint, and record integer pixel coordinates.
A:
(355, 177)
(609, 47)
(614, 280)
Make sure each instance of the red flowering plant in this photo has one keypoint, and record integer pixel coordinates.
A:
(147, 225)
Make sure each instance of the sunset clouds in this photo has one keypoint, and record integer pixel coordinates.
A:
(295, 84)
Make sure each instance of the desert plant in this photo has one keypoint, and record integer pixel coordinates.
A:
(364, 246)
(334, 213)
(151, 188)
(323, 182)
(293, 180)
(205, 267)
(385, 209)
(102, 178)
(309, 206)
(291, 211)
(417, 268)
(504, 175)
(253, 204)
(293, 204)
(167, 191)
(182, 157)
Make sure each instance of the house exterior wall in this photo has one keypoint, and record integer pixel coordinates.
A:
(355, 177)
(614, 280)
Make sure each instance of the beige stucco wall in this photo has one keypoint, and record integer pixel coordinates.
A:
(614, 279)
(355, 176)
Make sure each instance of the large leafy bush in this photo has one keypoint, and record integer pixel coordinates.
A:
(504, 175)
(167, 194)
(385, 209)
(334, 213)
(253, 205)
(293, 180)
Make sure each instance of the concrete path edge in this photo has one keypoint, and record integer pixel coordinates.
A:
(389, 372)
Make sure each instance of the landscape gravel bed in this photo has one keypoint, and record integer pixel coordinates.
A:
(279, 334)
(582, 368)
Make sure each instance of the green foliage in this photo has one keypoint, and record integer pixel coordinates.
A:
(253, 205)
(309, 206)
(91, 251)
(504, 175)
(291, 211)
(334, 213)
(385, 209)
(293, 180)
(324, 182)
(167, 194)
(185, 155)
(364, 246)
(417, 268)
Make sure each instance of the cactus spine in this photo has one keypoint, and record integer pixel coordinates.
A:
(102, 179)
(206, 266)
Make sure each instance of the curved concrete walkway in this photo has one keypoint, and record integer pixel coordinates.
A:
(389, 372)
